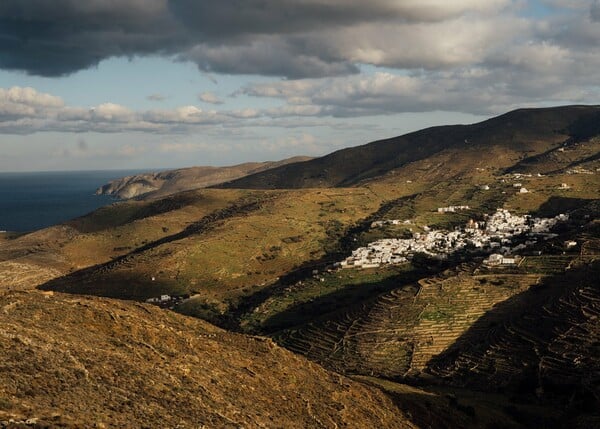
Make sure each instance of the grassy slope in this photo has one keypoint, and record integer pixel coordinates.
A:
(232, 255)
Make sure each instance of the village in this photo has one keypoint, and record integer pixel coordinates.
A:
(496, 236)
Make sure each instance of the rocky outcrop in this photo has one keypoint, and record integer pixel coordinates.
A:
(172, 181)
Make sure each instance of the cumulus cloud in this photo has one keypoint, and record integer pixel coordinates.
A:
(266, 55)
(476, 91)
(210, 98)
(17, 102)
(25, 111)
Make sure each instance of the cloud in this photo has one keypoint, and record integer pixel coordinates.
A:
(17, 102)
(464, 55)
(210, 98)
(29, 96)
(265, 55)
(231, 18)
(26, 111)
(595, 11)
(469, 90)
(270, 37)
(430, 55)
(57, 37)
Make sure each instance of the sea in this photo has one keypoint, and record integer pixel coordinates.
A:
(36, 200)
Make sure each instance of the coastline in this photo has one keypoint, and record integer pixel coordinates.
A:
(34, 201)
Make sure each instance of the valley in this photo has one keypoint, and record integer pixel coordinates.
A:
(423, 341)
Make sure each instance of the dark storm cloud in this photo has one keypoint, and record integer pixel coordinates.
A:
(231, 18)
(57, 37)
(595, 11)
(267, 55)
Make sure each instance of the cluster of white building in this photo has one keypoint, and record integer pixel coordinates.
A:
(496, 234)
(451, 209)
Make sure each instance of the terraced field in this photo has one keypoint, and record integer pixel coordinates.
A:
(544, 341)
(397, 334)
(550, 264)
(590, 249)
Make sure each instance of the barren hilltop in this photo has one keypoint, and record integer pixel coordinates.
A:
(445, 278)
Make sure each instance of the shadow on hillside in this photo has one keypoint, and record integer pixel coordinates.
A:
(585, 127)
(69, 283)
(120, 213)
(456, 408)
(576, 207)
(324, 306)
(534, 345)
(122, 284)
(539, 159)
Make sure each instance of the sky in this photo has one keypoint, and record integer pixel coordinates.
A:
(155, 84)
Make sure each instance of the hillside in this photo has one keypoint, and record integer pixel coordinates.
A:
(520, 130)
(527, 333)
(228, 247)
(84, 362)
(540, 342)
(155, 185)
(261, 262)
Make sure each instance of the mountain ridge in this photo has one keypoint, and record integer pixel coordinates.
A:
(350, 166)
